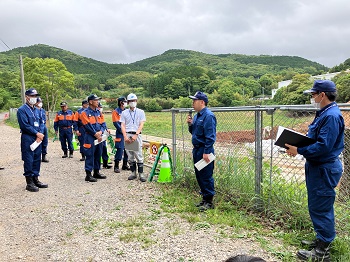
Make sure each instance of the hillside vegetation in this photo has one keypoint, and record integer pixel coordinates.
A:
(229, 79)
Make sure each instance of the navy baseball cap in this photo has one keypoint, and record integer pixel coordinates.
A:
(322, 86)
(63, 103)
(199, 96)
(39, 99)
(93, 97)
(84, 102)
(31, 92)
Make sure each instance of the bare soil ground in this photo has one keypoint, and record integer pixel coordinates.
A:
(111, 220)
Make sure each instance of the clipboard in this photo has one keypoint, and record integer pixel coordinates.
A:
(134, 146)
(289, 136)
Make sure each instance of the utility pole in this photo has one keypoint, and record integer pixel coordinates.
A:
(23, 90)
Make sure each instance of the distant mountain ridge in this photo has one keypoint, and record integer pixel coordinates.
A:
(221, 64)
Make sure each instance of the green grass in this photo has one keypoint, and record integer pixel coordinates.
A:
(160, 123)
(286, 219)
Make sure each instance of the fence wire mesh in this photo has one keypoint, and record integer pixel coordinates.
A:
(250, 171)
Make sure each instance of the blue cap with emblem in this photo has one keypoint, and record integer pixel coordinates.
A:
(199, 96)
(31, 92)
(93, 97)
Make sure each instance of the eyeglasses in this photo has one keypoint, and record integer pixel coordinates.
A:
(313, 95)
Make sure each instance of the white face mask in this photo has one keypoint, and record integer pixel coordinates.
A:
(32, 100)
(101, 109)
(125, 104)
(316, 105)
(132, 104)
(40, 105)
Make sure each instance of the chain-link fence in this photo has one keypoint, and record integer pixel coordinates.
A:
(251, 171)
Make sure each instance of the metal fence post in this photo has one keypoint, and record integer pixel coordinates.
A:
(258, 159)
(173, 123)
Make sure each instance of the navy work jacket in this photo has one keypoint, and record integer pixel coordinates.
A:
(93, 121)
(203, 130)
(328, 130)
(29, 120)
(63, 120)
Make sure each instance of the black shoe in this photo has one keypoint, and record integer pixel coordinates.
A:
(30, 184)
(38, 183)
(200, 203)
(319, 253)
(90, 179)
(310, 243)
(107, 166)
(32, 188)
(125, 167)
(44, 159)
(82, 158)
(206, 206)
(98, 175)
(70, 154)
(116, 169)
(65, 154)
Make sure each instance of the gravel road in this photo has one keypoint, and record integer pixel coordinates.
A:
(111, 220)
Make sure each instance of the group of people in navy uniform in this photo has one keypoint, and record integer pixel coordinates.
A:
(89, 125)
(323, 168)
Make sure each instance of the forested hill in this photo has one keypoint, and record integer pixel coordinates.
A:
(222, 64)
(76, 64)
(241, 65)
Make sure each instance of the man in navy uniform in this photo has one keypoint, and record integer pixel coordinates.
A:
(119, 138)
(64, 123)
(32, 129)
(323, 168)
(203, 130)
(95, 125)
(42, 112)
(79, 128)
(105, 157)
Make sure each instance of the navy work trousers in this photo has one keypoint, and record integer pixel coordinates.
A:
(205, 176)
(321, 179)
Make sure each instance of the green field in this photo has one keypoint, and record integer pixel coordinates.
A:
(160, 123)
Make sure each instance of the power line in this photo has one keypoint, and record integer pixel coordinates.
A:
(5, 44)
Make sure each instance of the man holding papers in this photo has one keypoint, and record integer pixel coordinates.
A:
(323, 168)
(203, 130)
(32, 129)
(94, 125)
(131, 123)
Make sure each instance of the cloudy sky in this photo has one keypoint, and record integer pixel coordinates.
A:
(125, 31)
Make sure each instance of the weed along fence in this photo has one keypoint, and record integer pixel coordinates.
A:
(250, 171)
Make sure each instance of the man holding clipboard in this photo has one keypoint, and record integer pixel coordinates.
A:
(132, 121)
(323, 168)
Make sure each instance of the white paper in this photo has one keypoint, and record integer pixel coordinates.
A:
(202, 163)
(35, 145)
(104, 138)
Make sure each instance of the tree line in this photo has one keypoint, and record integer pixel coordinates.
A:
(164, 81)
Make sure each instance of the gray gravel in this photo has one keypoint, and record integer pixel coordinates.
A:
(111, 220)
